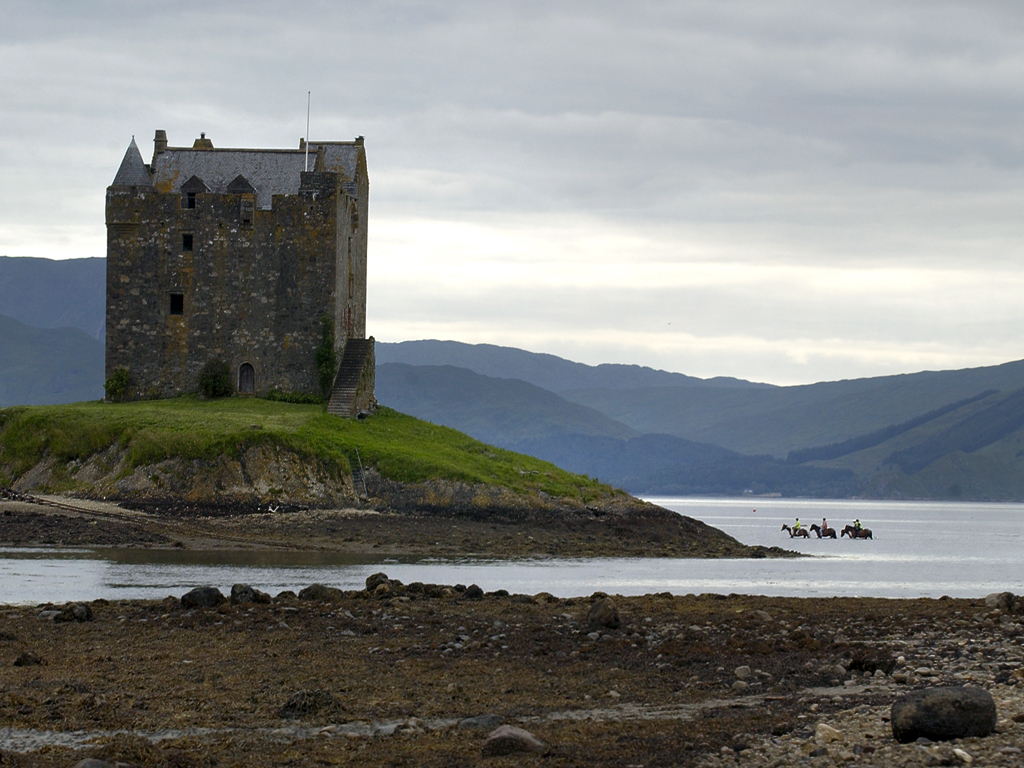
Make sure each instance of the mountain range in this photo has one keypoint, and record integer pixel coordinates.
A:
(933, 434)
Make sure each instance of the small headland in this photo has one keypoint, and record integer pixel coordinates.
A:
(254, 473)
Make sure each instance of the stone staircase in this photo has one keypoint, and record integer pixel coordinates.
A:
(346, 395)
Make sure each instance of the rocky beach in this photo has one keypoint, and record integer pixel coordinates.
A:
(420, 674)
(447, 675)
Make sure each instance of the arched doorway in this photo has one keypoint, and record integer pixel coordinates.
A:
(246, 379)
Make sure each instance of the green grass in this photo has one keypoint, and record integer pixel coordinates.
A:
(400, 447)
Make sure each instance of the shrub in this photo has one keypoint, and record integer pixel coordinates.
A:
(215, 379)
(302, 398)
(326, 356)
(117, 384)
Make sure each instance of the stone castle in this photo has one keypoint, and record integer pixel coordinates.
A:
(248, 257)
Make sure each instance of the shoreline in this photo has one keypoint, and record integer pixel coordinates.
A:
(630, 528)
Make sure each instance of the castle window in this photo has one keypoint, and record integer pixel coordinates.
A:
(186, 241)
(177, 304)
(245, 212)
(190, 199)
(246, 379)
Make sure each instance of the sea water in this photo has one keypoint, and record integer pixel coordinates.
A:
(919, 549)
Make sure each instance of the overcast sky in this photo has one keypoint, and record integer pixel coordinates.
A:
(786, 191)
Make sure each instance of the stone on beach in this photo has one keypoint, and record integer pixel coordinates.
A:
(943, 714)
(74, 612)
(604, 614)
(508, 740)
(203, 597)
(243, 593)
(482, 722)
(374, 580)
(321, 593)
(1003, 601)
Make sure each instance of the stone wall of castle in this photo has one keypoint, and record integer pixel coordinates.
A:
(226, 280)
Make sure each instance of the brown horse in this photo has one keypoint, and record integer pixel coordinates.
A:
(828, 533)
(798, 532)
(853, 533)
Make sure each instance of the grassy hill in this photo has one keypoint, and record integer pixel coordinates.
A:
(125, 437)
(237, 457)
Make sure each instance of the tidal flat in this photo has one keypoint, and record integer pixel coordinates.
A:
(419, 674)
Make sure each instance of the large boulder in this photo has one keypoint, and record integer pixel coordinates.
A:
(509, 740)
(1004, 601)
(74, 612)
(604, 614)
(374, 580)
(203, 597)
(943, 714)
(244, 593)
(321, 593)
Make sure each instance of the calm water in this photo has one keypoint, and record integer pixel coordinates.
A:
(921, 549)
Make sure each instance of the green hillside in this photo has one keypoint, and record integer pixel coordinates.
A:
(400, 447)
(973, 452)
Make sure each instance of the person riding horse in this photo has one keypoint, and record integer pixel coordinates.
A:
(794, 532)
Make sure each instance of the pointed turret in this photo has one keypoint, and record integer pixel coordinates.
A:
(133, 172)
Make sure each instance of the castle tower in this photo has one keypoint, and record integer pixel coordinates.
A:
(238, 256)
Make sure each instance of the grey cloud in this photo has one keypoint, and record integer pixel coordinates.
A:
(853, 133)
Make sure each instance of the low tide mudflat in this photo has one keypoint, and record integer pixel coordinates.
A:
(389, 677)
(420, 674)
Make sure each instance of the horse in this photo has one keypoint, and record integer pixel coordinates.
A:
(794, 533)
(828, 533)
(853, 533)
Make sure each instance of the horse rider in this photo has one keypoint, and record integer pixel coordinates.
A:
(856, 524)
(824, 525)
(797, 526)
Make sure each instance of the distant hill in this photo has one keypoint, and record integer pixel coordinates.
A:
(975, 451)
(44, 366)
(522, 417)
(783, 419)
(546, 371)
(502, 412)
(45, 293)
(942, 435)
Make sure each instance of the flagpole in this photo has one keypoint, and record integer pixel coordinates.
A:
(307, 130)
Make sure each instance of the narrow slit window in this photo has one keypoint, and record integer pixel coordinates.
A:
(177, 304)
(190, 199)
(186, 241)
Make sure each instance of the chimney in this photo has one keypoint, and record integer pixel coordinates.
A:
(202, 142)
(159, 144)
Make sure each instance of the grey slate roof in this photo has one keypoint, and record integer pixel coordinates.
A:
(133, 172)
(270, 171)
